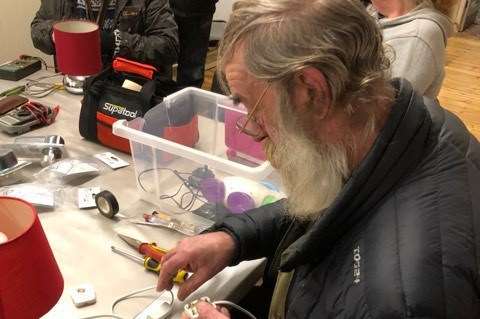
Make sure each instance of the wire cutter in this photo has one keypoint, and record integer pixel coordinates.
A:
(146, 249)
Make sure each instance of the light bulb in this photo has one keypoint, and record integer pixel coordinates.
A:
(3, 238)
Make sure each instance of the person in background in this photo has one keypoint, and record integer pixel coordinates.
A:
(194, 20)
(142, 30)
(417, 34)
(382, 216)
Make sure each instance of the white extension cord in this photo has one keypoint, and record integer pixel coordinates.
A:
(171, 305)
(235, 306)
(132, 295)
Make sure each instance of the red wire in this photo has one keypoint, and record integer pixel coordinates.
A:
(42, 113)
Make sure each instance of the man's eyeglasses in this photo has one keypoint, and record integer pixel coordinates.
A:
(247, 124)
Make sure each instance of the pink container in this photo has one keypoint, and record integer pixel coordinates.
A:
(240, 144)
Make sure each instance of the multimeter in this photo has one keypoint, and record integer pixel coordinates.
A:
(21, 119)
(18, 69)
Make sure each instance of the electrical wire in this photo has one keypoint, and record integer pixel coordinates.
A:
(185, 204)
(28, 57)
(39, 88)
(103, 316)
(133, 295)
(235, 306)
(42, 113)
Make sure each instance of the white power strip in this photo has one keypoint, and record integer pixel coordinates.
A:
(160, 308)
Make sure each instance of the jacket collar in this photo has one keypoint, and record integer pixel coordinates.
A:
(120, 5)
(396, 151)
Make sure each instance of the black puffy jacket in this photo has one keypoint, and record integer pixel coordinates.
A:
(402, 240)
(148, 31)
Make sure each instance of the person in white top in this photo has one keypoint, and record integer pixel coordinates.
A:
(417, 34)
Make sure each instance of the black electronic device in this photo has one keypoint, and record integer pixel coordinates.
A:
(18, 69)
(198, 175)
(9, 166)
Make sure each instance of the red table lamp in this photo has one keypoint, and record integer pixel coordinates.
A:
(77, 51)
(30, 281)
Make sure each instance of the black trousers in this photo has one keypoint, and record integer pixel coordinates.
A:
(194, 34)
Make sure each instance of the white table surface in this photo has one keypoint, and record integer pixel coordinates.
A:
(81, 239)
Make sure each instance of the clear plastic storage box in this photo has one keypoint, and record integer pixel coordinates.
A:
(190, 156)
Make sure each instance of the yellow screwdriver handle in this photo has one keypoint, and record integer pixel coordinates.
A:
(153, 265)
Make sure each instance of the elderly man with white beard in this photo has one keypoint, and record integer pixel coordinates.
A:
(382, 218)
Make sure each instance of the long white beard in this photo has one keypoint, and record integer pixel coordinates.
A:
(313, 174)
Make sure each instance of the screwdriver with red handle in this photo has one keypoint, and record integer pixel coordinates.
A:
(146, 249)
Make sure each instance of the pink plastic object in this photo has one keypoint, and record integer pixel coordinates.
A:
(239, 143)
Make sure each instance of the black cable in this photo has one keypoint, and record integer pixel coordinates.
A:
(196, 194)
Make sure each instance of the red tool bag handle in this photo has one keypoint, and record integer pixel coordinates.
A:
(125, 65)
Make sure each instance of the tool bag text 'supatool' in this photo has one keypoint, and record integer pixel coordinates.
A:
(106, 100)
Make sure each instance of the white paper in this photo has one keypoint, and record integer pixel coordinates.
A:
(70, 168)
(111, 160)
(86, 197)
(37, 196)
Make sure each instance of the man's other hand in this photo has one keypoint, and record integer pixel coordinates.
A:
(208, 311)
(203, 255)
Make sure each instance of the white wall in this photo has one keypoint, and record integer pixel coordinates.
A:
(224, 8)
(15, 18)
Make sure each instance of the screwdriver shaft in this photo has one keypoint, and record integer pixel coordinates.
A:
(127, 254)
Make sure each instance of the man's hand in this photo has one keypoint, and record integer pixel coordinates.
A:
(204, 255)
(207, 311)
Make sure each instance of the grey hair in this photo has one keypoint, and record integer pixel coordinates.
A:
(283, 37)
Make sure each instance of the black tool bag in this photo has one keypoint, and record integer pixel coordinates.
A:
(106, 101)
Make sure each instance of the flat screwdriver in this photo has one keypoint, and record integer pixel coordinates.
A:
(150, 264)
(13, 91)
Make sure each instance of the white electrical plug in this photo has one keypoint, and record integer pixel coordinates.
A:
(191, 308)
(83, 295)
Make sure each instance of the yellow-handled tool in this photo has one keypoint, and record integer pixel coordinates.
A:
(151, 264)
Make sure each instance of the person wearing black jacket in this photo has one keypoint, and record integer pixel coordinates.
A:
(382, 217)
(194, 20)
(142, 30)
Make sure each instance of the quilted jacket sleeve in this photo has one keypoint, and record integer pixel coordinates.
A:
(42, 24)
(158, 44)
(257, 232)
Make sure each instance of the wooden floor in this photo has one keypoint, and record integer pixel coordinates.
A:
(210, 67)
(461, 88)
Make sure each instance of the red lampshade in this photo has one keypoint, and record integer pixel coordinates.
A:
(77, 47)
(30, 281)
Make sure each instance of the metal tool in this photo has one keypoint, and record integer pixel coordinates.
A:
(13, 91)
(150, 264)
(147, 249)
(45, 149)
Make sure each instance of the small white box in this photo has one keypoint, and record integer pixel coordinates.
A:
(83, 295)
